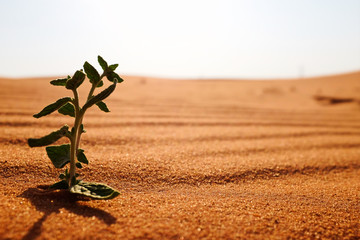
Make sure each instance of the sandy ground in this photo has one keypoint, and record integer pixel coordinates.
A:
(192, 160)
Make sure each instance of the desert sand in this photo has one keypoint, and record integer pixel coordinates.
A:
(193, 159)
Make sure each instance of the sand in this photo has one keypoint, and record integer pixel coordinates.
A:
(199, 159)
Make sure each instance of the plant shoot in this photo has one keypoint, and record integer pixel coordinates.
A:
(70, 154)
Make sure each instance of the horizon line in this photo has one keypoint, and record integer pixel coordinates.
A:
(196, 78)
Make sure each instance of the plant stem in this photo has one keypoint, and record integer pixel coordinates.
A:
(72, 170)
(94, 86)
(75, 138)
(76, 134)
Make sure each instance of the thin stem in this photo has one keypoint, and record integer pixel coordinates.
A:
(74, 137)
(72, 170)
(94, 86)
(79, 133)
(76, 134)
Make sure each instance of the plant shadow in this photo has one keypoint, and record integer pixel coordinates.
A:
(50, 202)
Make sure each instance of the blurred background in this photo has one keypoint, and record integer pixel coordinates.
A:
(181, 39)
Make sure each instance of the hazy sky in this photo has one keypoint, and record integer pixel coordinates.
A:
(181, 38)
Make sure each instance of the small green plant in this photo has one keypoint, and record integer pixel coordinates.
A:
(71, 154)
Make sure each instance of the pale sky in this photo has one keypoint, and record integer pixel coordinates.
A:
(181, 38)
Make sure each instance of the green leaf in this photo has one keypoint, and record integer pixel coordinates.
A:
(65, 176)
(91, 73)
(59, 155)
(100, 84)
(94, 190)
(60, 185)
(102, 63)
(111, 76)
(67, 109)
(82, 128)
(78, 165)
(113, 67)
(50, 138)
(101, 96)
(59, 82)
(52, 107)
(74, 82)
(102, 106)
(81, 157)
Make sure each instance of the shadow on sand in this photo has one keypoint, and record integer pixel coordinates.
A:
(50, 202)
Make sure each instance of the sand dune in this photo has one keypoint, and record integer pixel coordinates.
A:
(212, 159)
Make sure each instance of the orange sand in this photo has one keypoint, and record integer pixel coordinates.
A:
(192, 159)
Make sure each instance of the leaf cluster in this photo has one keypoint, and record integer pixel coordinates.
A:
(60, 155)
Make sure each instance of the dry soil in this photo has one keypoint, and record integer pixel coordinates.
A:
(193, 159)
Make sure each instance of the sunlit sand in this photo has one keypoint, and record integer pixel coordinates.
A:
(192, 159)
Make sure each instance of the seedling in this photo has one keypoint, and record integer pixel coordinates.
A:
(62, 155)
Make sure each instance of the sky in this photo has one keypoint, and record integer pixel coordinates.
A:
(181, 38)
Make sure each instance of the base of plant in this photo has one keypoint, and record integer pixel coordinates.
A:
(92, 190)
